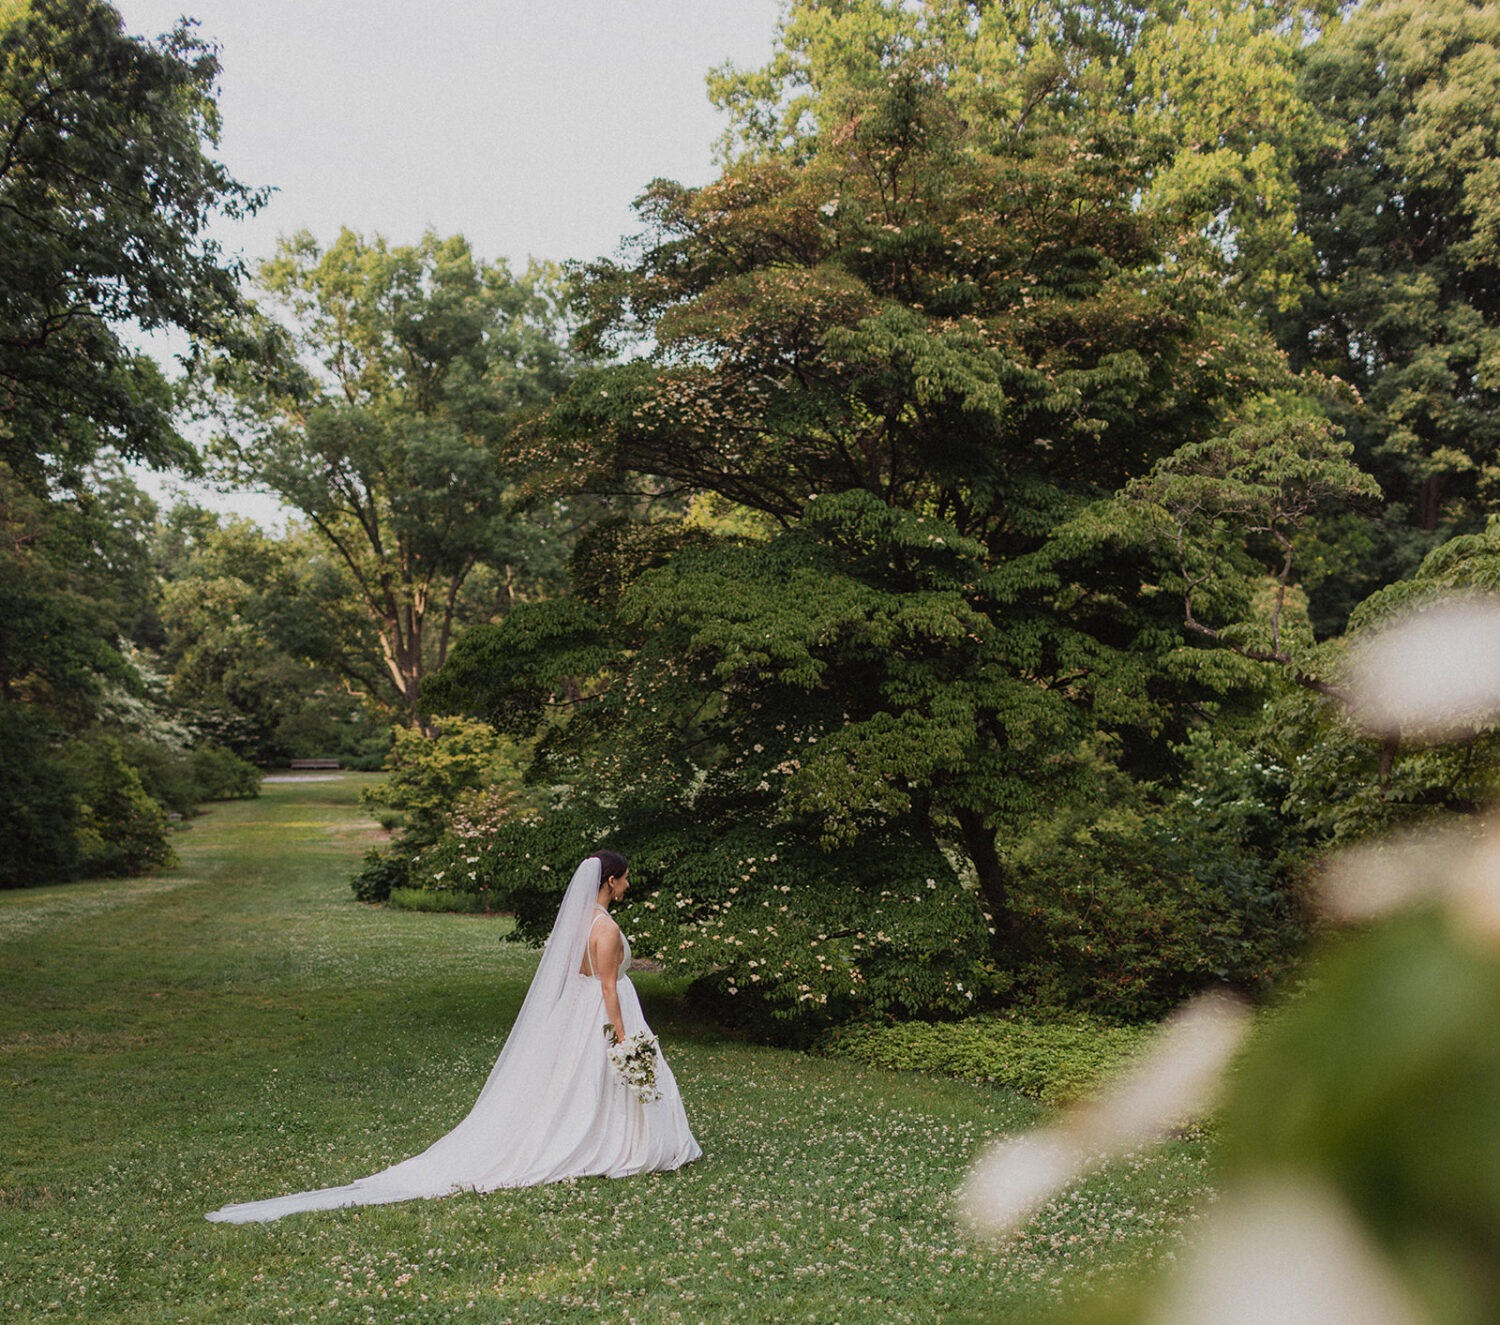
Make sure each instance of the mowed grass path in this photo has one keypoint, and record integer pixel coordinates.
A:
(240, 1027)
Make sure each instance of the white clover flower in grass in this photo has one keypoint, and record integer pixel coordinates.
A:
(1175, 1080)
(1435, 674)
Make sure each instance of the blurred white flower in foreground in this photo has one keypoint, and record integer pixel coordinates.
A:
(1288, 1252)
(1434, 674)
(1458, 866)
(1175, 1080)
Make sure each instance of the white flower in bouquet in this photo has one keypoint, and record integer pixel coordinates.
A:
(634, 1061)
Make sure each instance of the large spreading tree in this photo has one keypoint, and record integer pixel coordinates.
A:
(390, 374)
(927, 348)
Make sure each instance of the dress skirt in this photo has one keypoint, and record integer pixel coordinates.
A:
(560, 1114)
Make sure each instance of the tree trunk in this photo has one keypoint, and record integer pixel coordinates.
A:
(1432, 502)
(979, 842)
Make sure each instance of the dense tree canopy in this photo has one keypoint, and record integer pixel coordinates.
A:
(1402, 207)
(931, 350)
(263, 641)
(107, 186)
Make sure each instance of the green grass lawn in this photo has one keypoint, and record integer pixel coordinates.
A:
(241, 1027)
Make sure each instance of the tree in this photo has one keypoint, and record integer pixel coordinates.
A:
(75, 583)
(376, 415)
(1402, 207)
(106, 187)
(1216, 82)
(265, 646)
(929, 352)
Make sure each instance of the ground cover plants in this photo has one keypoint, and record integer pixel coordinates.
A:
(242, 1027)
(1054, 1063)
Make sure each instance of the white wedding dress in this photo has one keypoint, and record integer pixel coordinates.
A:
(553, 1106)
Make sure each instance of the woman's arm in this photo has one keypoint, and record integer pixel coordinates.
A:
(607, 951)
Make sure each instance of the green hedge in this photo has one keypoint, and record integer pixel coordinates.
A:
(1053, 1063)
(429, 899)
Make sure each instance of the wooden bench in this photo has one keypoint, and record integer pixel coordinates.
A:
(315, 763)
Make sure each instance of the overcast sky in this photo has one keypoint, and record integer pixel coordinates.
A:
(528, 126)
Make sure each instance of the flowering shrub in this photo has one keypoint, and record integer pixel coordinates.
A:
(465, 859)
(428, 775)
(778, 937)
(455, 791)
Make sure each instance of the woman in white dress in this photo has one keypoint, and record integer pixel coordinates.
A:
(554, 1105)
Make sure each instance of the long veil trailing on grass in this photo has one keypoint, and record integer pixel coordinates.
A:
(551, 1107)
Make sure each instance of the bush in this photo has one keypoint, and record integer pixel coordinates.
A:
(220, 775)
(164, 771)
(368, 755)
(39, 812)
(1053, 1063)
(429, 774)
(121, 829)
(778, 938)
(465, 857)
(182, 780)
(382, 872)
(1126, 907)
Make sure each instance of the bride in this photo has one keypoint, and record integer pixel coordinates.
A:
(554, 1105)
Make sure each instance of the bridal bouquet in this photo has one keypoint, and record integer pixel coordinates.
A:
(634, 1060)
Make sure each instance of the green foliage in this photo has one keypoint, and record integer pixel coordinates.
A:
(781, 937)
(1131, 903)
(777, 937)
(532, 661)
(430, 774)
(39, 811)
(1403, 209)
(221, 775)
(1233, 509)
(375, 411)
(969, 326)
(1210, 89)
(382, 873)
(1386, 1084)
(121, 829)
(909, 332)
(74, 582)
(108, 189)
(1345, 785)
(1375, 1092)
(261, 640)
(1216, 85)
(1054, 1062)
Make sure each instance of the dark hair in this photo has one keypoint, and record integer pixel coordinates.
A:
(611, 864)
